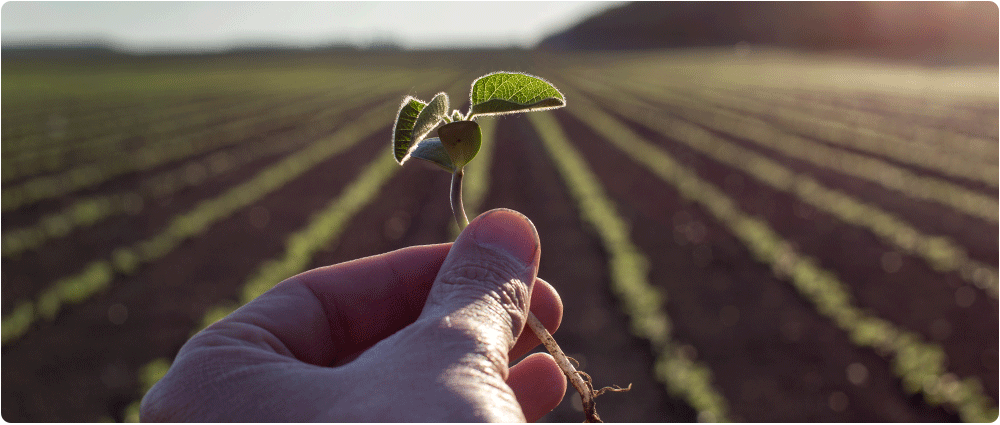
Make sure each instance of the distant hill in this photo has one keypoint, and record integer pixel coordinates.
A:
(900, 28)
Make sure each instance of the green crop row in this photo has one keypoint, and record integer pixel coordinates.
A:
(99, 274)
(865, 167)
(912, 93)
(323, 229)
(54, 125)
(94, 209)
(930, 115)
(915, 133)
(90, 210)
(40, 91)
(920, 364)
(162, 139)
(175, 149)
(55, 128)
(940, 252)
(95, 138)
(629, 268)
(79, 147)
(179, 147)
(976, 162)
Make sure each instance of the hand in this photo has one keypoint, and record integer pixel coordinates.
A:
(420, 334)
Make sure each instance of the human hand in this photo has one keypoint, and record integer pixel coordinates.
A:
(418, 334)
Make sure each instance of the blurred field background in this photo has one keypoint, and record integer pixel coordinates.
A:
(753, 211)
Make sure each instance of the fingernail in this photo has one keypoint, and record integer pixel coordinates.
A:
(509, 231)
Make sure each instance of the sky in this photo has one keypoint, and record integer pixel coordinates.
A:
(207, 26)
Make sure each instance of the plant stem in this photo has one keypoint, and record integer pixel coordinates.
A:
(457, 207)
(575, 377)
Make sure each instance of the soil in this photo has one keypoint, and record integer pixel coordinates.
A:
(60, 257)
(82, 366)
(772, 355)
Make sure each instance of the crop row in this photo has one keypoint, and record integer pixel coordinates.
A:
(323, 228)
(106, 152)
(83, 146)
(100, 273)
(32, 118)
(962, 158)
(240, 101)
(643, 302)
(175, 148)
(941, 97)
(952, 118)
(940, 252)
(866, 122)
(920, 364)
(883, 173)
(93, 209)
(155, 117)
(34, 95)
(56, 129)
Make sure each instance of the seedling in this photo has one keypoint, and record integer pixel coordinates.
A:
(458, 142)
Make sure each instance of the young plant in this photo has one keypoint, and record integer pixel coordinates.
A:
(458, 142)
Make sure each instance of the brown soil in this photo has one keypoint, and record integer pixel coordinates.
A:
(772, 355)
(914, 297)
(30, 272)
(83, 367)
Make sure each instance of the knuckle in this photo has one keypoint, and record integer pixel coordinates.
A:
(499, 283)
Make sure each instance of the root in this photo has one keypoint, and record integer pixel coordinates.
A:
(580, 380)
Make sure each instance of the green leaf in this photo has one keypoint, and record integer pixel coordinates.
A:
(429, 117)
(456, 115)
(462, 140)
(432, 150)
(402, 131)
(508, 92)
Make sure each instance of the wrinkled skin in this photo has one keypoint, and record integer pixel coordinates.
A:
(420, 334)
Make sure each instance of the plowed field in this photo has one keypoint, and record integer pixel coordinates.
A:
(760, 236)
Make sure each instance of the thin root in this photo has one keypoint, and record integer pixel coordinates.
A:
(614, 389)
(576, 363)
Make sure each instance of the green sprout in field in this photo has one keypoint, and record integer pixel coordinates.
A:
(458, 142)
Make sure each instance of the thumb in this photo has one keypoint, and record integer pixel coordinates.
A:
(450, 365)
(484, 285)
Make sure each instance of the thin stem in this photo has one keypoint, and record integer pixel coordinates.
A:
(457, 207)
(575, 377)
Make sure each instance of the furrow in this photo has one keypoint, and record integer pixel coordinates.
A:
(688, 379)
(39, 159)
(94, 209)
(921, 365)
(322, 230)
(861, 166)
(125, 260)
(174, 149)
(940, 252)
(913, 133)
(974, 162)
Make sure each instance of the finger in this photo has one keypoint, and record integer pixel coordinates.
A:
(332, 312)
(484, 285)
(485, 282)
(538, 384)
(547, 307)
(460, 343)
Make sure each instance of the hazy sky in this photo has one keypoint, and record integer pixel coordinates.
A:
(217, 25)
